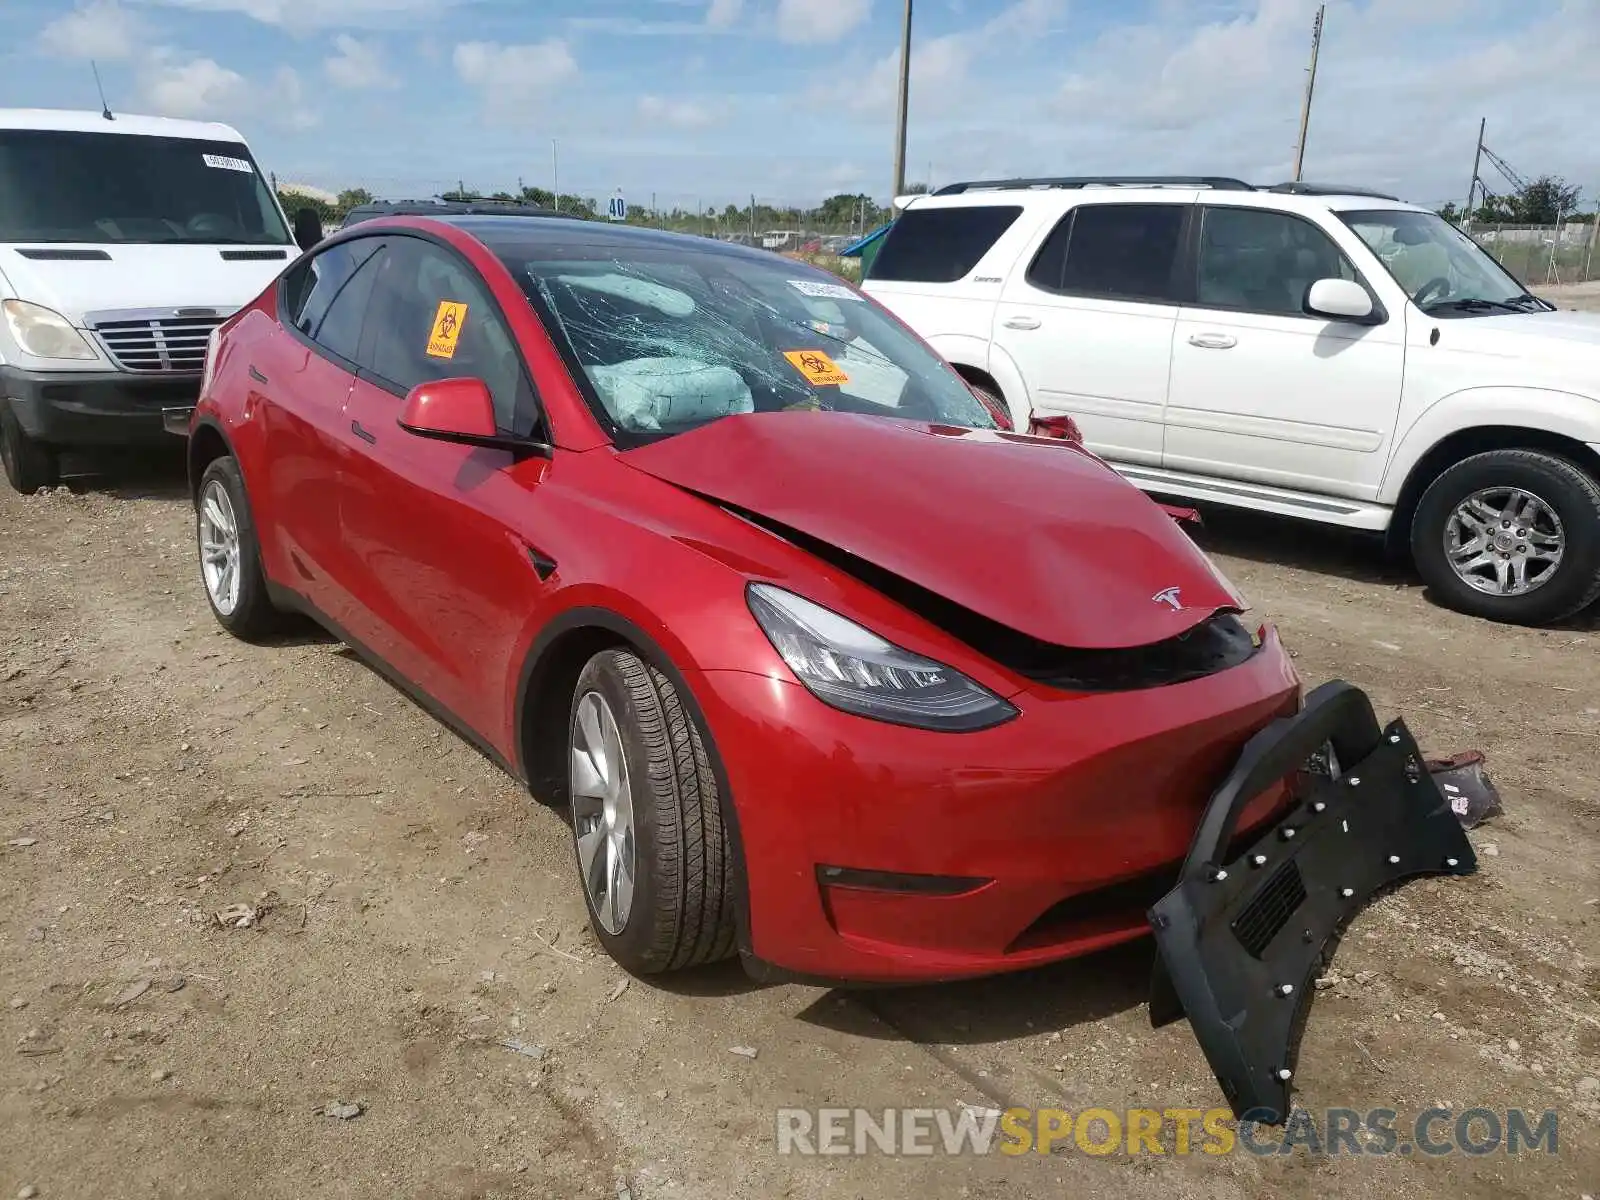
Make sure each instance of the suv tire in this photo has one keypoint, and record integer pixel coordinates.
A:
(225, 536)
(29, 465)
(639, 770)
(1493, 509)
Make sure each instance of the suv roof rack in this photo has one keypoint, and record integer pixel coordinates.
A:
(1219, 182)
(1327, 189)
(444, 208)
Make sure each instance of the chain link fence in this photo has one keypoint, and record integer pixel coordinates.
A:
(1542, 255)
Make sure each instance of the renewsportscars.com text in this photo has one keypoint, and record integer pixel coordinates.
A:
(966, 1130)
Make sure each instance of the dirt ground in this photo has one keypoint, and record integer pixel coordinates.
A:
(419, 912)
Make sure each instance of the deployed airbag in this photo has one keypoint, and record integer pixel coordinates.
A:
(645, 393)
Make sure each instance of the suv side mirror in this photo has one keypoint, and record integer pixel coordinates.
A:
(460, 411)
(1340, 300)
(307, 228)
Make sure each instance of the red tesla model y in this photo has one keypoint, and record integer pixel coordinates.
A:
(828, 667)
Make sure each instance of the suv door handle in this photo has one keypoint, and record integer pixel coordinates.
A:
(361, 432)
(1213, 341)
(1022, 323)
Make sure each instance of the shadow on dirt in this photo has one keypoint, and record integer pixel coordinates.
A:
(143, 473)
(999, 1008)
(1283, 541)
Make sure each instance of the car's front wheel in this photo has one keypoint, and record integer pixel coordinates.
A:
(652, 851)
(1511, 535)
(230, 554)
(29, 465)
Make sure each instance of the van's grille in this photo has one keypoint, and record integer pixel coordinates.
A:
(158, 346)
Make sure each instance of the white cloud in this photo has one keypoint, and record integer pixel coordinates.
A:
(357, 66)
(514, 77)
(198, 88)
(301, 15)
(101, 30)
(678, 114)
(820, 21)
(203, 89)
(723, 13)
(939, 74)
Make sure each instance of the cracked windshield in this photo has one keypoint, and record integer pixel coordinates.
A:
(670, 341)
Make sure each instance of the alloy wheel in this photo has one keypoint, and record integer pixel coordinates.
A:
(1504, 541)
(219, 547)
(602, 812)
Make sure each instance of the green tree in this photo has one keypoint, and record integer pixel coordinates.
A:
(1545, 201)
(353, 198)
(293, 201)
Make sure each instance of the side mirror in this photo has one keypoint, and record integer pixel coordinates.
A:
(1340, 300)
(460, 411)
(307, 228)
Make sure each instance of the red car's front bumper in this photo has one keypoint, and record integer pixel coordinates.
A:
(879, 853)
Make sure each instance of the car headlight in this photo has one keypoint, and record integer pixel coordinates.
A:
(855, 670)
(43, 332)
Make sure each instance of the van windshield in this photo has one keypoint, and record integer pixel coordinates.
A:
(109, 188)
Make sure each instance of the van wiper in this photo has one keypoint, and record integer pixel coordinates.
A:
(1473, 304)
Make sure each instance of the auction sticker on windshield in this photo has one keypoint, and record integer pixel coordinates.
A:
(228, 164)
(817, 367)
(447, 323)
(823, 291)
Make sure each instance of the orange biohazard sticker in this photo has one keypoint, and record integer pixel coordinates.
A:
(447, 323)
(817, 367)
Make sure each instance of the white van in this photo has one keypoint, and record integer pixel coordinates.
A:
(124, 241)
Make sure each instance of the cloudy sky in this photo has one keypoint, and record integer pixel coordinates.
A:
(711, 100)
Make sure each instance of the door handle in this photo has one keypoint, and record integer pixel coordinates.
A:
(370, 438)
(1022, 323)
(1213, 341)
(257, 375)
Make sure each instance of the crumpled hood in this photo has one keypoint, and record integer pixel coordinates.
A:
(140, 276)
(1037, 535)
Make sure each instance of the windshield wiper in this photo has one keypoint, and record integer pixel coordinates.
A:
(1530, 298)
(1473, 304)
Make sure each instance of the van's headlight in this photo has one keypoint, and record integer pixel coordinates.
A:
(853, 669)
(43, 332)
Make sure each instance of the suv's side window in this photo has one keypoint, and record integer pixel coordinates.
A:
(1116, 251)
(1261, 261)
(325, 297)
(941, 245)
(414, 283)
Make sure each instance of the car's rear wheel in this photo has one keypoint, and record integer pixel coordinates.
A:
(652, 851)
(1511, 535)
(29, 465)
(230, 554)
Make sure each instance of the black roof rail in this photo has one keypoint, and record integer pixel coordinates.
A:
(1219, 182)
(1326, 189)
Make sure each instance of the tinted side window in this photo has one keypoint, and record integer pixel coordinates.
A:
(1263, 261)
(941, 245)
(1049, 264)
(412, 283)
(331, 283)
(1124, 251)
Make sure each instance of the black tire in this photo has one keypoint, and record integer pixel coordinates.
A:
(1568, 490)
(29, 465)
(682, 912)
(995, 402)
(253, 616)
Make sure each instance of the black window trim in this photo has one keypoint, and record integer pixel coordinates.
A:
(540, 432)
(282, 295)
(1176, 282)
(1380, 314)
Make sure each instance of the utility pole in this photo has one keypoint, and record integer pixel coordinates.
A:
(1311, 84)
(555, 174)
(1477, 161)
(752, 219)
(904, 106)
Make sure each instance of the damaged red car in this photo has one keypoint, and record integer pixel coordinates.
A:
(829, 668)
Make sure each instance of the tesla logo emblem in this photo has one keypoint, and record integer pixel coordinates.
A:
(1170, 596)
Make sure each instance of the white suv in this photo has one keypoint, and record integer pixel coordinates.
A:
(1324, 353)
